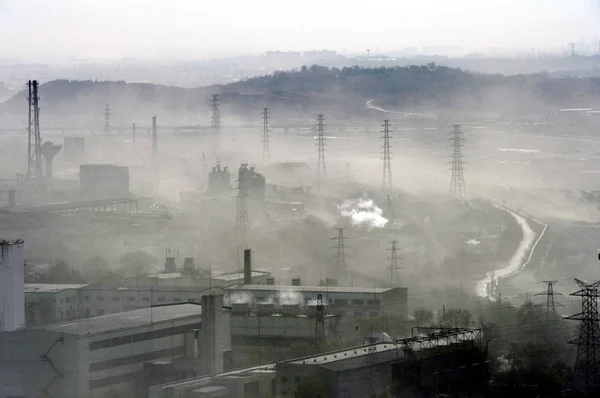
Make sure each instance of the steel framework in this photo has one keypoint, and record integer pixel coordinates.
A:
(458, 188)
(394, 267)
(265, 137)
(34, 154)
(387, 164)
(550, 306)
(215, 120)
(107, 114)
(587, 363)
(341, 253)
(321, 166)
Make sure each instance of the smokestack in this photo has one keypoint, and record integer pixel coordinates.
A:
(12, 198)
(170, 265)
(154, 137)
(12, 285)
(247, 267)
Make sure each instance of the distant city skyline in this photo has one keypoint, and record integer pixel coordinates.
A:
(40, 30)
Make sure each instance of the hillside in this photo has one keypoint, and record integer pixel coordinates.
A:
(343, 91)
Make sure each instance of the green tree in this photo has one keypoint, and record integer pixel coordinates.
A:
(423, 317)
(136, 263)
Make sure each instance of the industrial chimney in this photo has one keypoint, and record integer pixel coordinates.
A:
(170, 265)
(247, 267)
(12, 284)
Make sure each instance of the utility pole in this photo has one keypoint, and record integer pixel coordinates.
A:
(265, 137)
(215, 121)
(587, 362)
(387, 166)
(550, 306)
(341, 254)
(321, 166)
(458, 188)
(34, 153)
(133, 133)
(394, 267)
(107, 119)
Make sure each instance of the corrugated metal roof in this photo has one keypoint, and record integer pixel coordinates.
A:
(316, 289)
(50, 287)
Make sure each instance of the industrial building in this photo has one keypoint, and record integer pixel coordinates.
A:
(353, 302)
(104, 180)
(355, 372)
(90, 357)
(219, 180)
(254, 182)
(12, 279)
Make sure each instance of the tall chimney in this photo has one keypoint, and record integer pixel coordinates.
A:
(170, 265)
(247, 267)
(154, 137)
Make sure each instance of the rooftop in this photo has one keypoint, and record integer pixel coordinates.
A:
(126, 320)
(356, 352)
(50, 287)
(70, 205)
(315, 289)
(236, 276)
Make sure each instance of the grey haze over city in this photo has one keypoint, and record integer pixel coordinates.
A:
(315, 199)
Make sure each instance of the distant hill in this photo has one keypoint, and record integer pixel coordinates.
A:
(312, 89)
(5, 93)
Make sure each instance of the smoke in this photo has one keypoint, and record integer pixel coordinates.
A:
(238, 298)
(363, 212)
(288, 297)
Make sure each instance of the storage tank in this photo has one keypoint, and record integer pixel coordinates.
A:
(12, 284)
(265, 309)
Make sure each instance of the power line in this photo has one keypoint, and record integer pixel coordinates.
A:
(387, 166)
(265, 137)
(321, 166)
(587, 363)
(458, 188)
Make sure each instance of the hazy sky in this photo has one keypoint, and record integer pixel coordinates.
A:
(207, 28)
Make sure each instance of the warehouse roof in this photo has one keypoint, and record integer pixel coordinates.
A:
(316, 289)
(352, 358)
(236, 276)
(127, 320)
(51, 287)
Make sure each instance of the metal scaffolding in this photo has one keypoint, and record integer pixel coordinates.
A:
(387, 165)
(458, 188)
(265, 137)
(34, 153)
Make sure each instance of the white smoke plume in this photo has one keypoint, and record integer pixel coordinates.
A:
(238, 298)
(288, 297)
(363, 212)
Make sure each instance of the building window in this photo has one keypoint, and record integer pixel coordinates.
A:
(146, 298)
(100, 298)
(99, 312)
(60, 315)
(69, 314)
(161, 300)
(87, 298)
(284, 379)
(176, 300)
(68, 300)
(116, 298)
(297, 379)
(130, 298)
(62, 300)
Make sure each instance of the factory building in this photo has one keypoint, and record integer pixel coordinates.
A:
(254, 182)
(12, 279)
(352, 373)
(91, 357)
(50, 303)
(219, 180)
(103, 180)
(352, 302)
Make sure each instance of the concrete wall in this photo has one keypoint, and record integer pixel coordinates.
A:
(12, 285)
(38, 363)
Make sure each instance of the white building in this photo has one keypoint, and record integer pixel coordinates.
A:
(90, 357)
(12, 280)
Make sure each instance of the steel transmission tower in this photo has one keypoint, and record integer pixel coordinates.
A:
(321, 166)
(587, 363)
(341, 254)
(107, 119)
(265, 138)
(242, 220)
(458, 188)
(394, 267)
(34, 154)
(387, 164)
(215, 120)
(550, 306)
